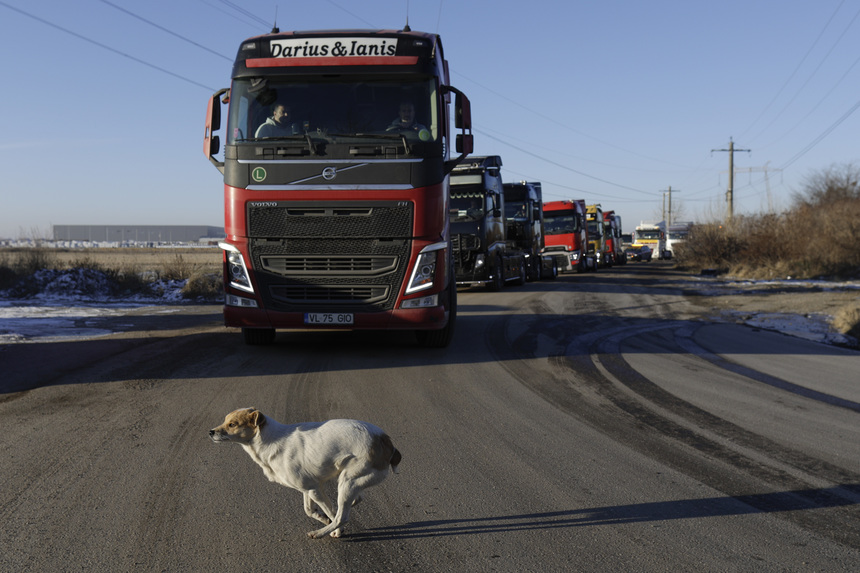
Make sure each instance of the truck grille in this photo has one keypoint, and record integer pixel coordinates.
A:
(329, 294)
(315, 256)
(337, 265)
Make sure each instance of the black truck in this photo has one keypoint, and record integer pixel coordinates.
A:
(482, 253)
(524, 229)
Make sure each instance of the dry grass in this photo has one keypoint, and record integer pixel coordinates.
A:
(847, 320)
(131, 270)
(817, 237)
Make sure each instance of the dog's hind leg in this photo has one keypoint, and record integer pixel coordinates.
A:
(311, 512)
(348, 494)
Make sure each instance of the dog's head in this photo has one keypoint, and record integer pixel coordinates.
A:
(239, 426)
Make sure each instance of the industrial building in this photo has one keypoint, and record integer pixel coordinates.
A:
(138, 234)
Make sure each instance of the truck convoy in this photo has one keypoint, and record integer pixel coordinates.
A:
(597, 236)
(336, 192)
(653, 235)
(678, 233)
(567, 235)
(482, 255)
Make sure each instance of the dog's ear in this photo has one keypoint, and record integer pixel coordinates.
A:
(258, 418)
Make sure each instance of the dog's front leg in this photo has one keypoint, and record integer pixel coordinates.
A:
(309, 509)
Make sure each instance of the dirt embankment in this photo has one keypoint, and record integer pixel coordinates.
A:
(834, 303)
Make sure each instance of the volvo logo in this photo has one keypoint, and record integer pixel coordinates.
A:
(329, 173)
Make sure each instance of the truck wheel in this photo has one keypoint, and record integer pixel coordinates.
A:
(521, 280)
(258, 336)
(441, 338)
(498, 281)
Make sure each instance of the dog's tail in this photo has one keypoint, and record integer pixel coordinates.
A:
(395, 460)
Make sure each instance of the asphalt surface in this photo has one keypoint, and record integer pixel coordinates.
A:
(596, 422)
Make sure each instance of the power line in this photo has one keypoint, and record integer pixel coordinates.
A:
(246, 13)
(824, 134)
(521, 150)
(569, 128)
(809, 79)
(794, 73)
(104, 46)
(163, 29)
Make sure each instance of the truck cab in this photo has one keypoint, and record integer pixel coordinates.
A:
(524, 224)
(566, 235)
(597, 236)
(482, 256)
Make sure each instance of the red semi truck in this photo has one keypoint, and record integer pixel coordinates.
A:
(336, 162)
(566, 235)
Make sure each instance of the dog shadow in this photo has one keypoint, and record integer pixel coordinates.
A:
(840, 496)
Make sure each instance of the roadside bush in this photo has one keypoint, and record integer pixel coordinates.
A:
(206, 286)
(16, 264)
(847, 320)
(179, 269)
(819, 236)
(27, 272)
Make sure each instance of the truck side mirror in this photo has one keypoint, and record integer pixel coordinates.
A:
(462, 112)
(211, 142)
(465, 144)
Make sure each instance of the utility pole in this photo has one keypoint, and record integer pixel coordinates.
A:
(730, 204)
(669, 193)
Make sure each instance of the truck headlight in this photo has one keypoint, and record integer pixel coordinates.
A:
(424, 271)
(479, 261)
(237, 272)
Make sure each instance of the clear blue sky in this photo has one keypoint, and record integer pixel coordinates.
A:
(614, 101)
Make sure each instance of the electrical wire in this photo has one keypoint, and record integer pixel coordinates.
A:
(163, 29)
(105, 46)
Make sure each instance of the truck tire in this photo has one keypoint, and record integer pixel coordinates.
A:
(441, 338)
(521, 279)
(498, 281)
(258, 336)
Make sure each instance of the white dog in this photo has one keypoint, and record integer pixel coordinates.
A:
(306, 456)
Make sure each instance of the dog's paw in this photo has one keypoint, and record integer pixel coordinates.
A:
(336, 533)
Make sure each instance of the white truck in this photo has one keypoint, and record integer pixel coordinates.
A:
(653, 234)
(677, 233)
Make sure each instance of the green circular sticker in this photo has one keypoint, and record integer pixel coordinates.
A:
(258, 174)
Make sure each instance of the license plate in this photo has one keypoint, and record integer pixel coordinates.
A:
(333, 318)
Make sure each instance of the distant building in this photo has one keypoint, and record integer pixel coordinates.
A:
(139, 234)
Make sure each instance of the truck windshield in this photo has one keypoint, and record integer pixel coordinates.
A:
(266, 108)
(560, 223)
(467, 203)
(516, 210)
(650, 235)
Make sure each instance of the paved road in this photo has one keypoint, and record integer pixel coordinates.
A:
(590, 423)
